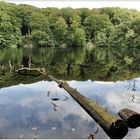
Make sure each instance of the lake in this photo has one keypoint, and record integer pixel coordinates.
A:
(108, 76)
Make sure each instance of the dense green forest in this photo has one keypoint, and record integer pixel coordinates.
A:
(27, 26)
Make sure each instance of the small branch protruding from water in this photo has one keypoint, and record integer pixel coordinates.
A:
(48, 93)
(10, 66)
(54, 106)
(65, 98)
(92, 135)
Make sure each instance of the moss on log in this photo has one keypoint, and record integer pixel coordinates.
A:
(131, 117)
(114, 127)
(30, 71)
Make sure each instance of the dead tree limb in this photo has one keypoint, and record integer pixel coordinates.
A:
(30, 71)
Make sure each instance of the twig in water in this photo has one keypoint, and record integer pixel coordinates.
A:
(48, 93)
(30, 63)
(92, 135)
(54, 106)
(65, 98)
(35, 129)
(133, 97)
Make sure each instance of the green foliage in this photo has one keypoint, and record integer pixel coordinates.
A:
(41, 38)
(23, 25)
(60, 30)
(38, 22)
(128, 60)
(76, 38)
(73, 63)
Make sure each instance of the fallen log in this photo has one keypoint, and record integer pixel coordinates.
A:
(131, 117)
(30, 71)
(114, 127)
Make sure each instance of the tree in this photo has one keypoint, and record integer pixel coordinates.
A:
(60, 30)
(71, 16)
(76, 38)
(9, 33)
(41, 39)
(95, 23)
(135, 28)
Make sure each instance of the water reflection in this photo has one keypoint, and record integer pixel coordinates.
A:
(28, 111)
(109, 64)
(42, 110)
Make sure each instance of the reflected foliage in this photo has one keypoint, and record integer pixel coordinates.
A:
(68, 63)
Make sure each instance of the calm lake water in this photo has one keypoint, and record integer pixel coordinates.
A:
(107, 76)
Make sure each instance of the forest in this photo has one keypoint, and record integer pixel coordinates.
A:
(28, 26)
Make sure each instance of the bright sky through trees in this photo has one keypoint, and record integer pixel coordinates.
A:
(77, 4)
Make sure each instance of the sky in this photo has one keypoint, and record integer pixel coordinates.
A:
(79, 4)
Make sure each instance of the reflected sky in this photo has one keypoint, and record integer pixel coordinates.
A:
(28, 111)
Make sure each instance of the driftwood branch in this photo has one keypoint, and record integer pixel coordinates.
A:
(30, 71)
(114, 127)
(131, 117)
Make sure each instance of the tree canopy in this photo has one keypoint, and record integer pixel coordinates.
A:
(25, 25)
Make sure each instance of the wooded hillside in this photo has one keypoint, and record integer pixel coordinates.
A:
(24, 25)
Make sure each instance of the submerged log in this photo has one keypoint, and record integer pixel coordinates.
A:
(114, 127)
(30, 71)
(131, 117)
